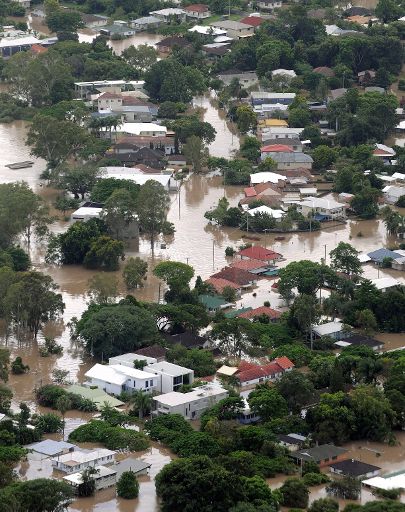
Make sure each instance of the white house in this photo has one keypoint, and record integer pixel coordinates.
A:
(117, 378)
(266, 177)
(385, 283)
(127, 173)
(234, 29)
(190, 405)
(332, 329)
(172, 376)
(170, 13)
(392, 193)
(245, 78)
(81, 459)
(268, 5)
(129, 359)
(85, 213)
(387, 482)
(103, 478)
(198, 11)
(277, 214)
(322, 208)
(152, 129)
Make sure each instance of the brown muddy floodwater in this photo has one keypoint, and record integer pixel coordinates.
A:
(196, 242)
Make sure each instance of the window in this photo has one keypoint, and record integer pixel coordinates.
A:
(146, 383)
(177, 380)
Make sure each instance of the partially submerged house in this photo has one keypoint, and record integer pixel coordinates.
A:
(322, 455)
(82, 459)
(354, 469)
(103, 478)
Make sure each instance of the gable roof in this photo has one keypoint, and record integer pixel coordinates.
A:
(276, 148)
(257, 252)
(353, 468)
(319, 453)
(257, 371)
(382, 253)
(254, 21)
(263, 310)
(156, 351)
(219, 284)
(248, 264)
(284, 362)
(173, 41)
(236, 275)
(197, 8)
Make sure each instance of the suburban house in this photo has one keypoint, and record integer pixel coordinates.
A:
(132, 143)
(118, 28)
(392, 193)
(186, 339)
(51, 448)
(250, 374)
(323, 455)
(266, 210)
(357, 340)
(263, 311)
(94, 20)
(84, 90)
(95, 395)
(253, 21)
(256, 267)
(266, 97)
(292, 442)
(354, 469)
(290, 160)
(156, 351)
(268, 193)
(219, 284)
(166, 45)
(325, 208)
(169, 14)
(234, 29)
(214, 303)
(81, 459)
(379, 255)
(146, 23)
(268, 5)
(256, 252)
(170, 376)
(87, 211)
(103, 478)
(198, 11)
(149, 129)
(246, 415)
(385, 283)
(130, 359)
(245, 78)
(266, 177)
(189, 405)
(280, 132)
(117, 378)
(241, 277)
(10, 46)
(332, 329)
(387, 482)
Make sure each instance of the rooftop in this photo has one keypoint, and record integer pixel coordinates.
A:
(102, 472)
(219, 284)
(277, 214)
(385, 282)
(353, 468)
(169, 368)
(319, 453)
(130, 358)
(327, 328)
(236, 275)
(257, 371)
(174, 398)
(50, 447)
(254, 21)
(321, 202)
(266, 177)
(292, 156)
(393, 481)
(156, 351)
(98, 396)
(262, 311)
(276, 148)
(380, 254)
(212, 301)
(230, 25)
(197, 8)
(257, 252)
(170, 11)
(250, 264)
(81, 456)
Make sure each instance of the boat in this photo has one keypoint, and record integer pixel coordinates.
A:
(279, 238)
(20, 165)
(251, 237)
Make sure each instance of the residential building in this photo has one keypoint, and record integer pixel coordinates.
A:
(81, 459)
(234, 29)
(216, 51)
(357, 340)
(294, 144)
(256, 252)
(84, 90)
(387, 482)
(269, 110)
(265, 97)
(103, 478)
(169, 14)
(246, 415)
(270, 122)
(243, 278)
(292, 442)
(290, 159)
(253, 21)
(266, 210)
(130, 359)
(10, 46)
(269, 5)
(323, 455)
(279, 132)
(117, 378)
(125, 173)
(219, 284)
(137, 466)
(335, 94)
(245, 78)
(214, 33)
(198, 11)
(146, 23)
(94, 20)
(118, 28)
(214, 303)
(255, 267)
(190, 405)
(98, 396)
(156, 351)
(166, 45)
(132, 144)
(249, 374)
(148, 129)
(354, 469)
(379, 255)
(170, 376)
(262, 311)
(385, 283)
(186, 339)
(322, 208)
(392, 193)
(331, 329)
(266, 177)
(87, 211)
(51, 448)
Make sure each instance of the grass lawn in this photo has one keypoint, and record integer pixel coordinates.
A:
(219, 17)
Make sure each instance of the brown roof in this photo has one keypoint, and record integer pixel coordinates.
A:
(248, 264)
(235, 275)
(172, 41)
(197, 8)
(156, 351)
(273, 314)
(219, 284)
(284, 362)
(220, 50)
(134, 101)
(325, 71)
(253, 21)
(257, 252)
(266, 370)
(264, 198)
(295, 173)
(111, 95)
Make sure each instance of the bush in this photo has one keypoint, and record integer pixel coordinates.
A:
(128, 486)
(49, 423)
(295, 493)
(311, 479)
(229, 251)
(18, 367)
(113, 438)
(389, 494)
(401, 85)
(48, 395)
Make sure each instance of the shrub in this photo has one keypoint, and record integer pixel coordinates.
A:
(49, 423)
(229, 251)
(48, 395)
(311, 479)
(128, 486)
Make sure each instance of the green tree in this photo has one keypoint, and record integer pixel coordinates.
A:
(307, 276)
(196, 153)
(18, 367)
(324, 505)
(63, 20)
(104, 188)
(234, 336)
(387, 10)
(142, 403)
(324, 157)
(365, 203)
(245, 118)
(345, 258)
(134, 272)
(141, 57)
(345, 488)
(119, 213)
(267, 403)
(366, 320)
(201, 361)
(250, 149)
(63, 404)
(296, 388)
(79, 180)
(104, 253)
(49, 423)
(38, 495)
(152, 204)
(103, 288)
(176, 275)
(128, 486)
(87, 486)
(294, 493)
(304, 312)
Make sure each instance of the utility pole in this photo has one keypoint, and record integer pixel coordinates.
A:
(247, 222)
(325, 254)
(213, 255)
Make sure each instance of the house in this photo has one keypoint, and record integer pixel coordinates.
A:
(137, 466)
(51, 448)
(241, 277)
(10, 46)
(268, 110)
(265, 210)
(253, 21)
(256, 252)
(146, 23)
(217, 35)
(94, 20)
(118, 28)
(268, 5)
(156, 351)
(215, 51)
(273, 148)
(379, 255)
(322, 208)
(345, 197)
(170, 376)
(266, 177)
(398, 263)
(250, 374)
(294, 144)
(234, 29)
(219, 284)
(359, 340)
(323, 455)
(97, 396)
(190, 405)
(354, 469)
(197, 11)
(246, 416)
(84, 90)
(392, 193)
(292, 442)
(133, 143)
(335, 94)
(214, 303)
(385, 283)
(385, 153)
(166, 45)
(263, 311)
(280, 132)
(227, 371)
(149, 129)
(179, 160)
(245, 78)
(290, 159)
(332, 329)
(117, 378)
(387, 482)
(268, 98)
(103, 478)
(186, 339)
(125, 173)
(255, 267)
(169, 14)
(81, 459)
(109, 101)
(130, 359)
(87, 211)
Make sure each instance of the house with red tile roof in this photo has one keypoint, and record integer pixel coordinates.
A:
(256, 252)
(285, 363)
(219, 284)
(198, 11)
(277, 148)
(241, 277)
(272, 314)
(253, 21)
(259, 374)
(254, 266)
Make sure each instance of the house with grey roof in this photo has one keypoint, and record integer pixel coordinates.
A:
(245, 78)
(118, 28)
(146, 23)
(323, 455)
(354, 469)
(51, 448)
(235, 29)
(291, 160)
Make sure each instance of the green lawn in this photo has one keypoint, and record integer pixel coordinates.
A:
(218, 17)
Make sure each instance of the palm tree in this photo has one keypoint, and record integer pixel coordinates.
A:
(141, 402)
(63, 404)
